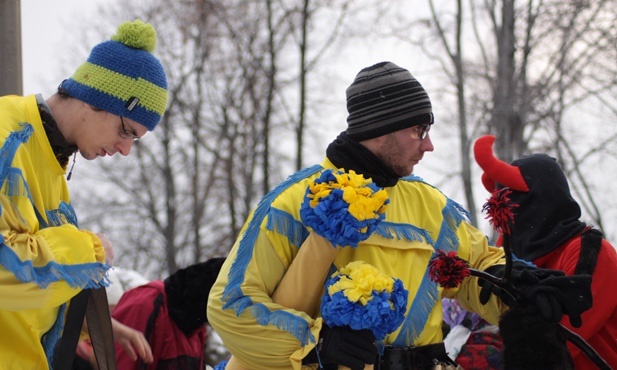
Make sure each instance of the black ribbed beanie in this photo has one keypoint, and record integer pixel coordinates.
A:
(385, 98)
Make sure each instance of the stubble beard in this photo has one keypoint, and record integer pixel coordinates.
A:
(389, 154)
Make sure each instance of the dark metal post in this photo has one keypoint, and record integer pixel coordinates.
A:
(11, 79)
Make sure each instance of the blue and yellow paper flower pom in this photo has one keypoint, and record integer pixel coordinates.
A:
(342, 207)
(361, 297)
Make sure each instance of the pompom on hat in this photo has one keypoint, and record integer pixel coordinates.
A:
(123, 77)
(385, 98)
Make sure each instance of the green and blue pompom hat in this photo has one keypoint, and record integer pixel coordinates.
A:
(123, 77)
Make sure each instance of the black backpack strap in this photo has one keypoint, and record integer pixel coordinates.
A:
(590, 249)
(100, 328)
(91, 304)
(65, 353)
(591, 242)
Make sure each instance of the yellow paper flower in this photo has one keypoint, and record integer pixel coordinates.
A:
(361, 297)
(358, 280)
(345, 208)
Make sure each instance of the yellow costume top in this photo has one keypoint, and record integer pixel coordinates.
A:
(44, 258)
(251, 313)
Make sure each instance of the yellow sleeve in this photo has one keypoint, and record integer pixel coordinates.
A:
(260, 336)
(44, 267)
(296, 290)
(47, 268)
(480, 255)
(44, 258)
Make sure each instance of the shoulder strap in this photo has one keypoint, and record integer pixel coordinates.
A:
(100, 329)
(70, 337)
(591, 241)
(92, 304)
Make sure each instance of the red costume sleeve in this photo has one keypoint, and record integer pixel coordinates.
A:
(134, 309)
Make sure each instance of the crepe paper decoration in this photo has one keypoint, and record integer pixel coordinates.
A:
(343, 207)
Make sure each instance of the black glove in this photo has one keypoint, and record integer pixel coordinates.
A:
(342, 345)
(561, 295)
(551, 292)
(517, 279)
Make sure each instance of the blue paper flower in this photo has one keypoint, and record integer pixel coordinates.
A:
(361, 297)
(344, 208)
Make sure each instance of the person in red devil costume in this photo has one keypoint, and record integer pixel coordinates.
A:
(546, 230)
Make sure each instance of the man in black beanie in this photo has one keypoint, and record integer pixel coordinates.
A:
(265, 304)
(390, 115)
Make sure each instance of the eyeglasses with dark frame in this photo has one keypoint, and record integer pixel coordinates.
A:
(126, 134)
(421, 131)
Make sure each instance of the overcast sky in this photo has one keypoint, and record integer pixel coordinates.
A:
(47, 34)
(44, 24)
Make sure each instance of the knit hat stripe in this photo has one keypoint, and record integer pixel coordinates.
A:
(151, 96)
(123, 77)
(389, 117)
(380, 78)
(404, 103)
(385, 98)
(129, 62)
(113, 105)
(379, 94)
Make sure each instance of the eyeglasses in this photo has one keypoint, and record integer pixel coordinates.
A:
(126, 134)
(421, 131)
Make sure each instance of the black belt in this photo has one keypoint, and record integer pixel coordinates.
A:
(413, 358)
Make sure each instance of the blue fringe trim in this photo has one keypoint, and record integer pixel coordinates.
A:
(452, 218)
(428, 292)
(221, 365)
(460, 209)
(284, 320)
(16, 185)
(391, 230)
(285, 224)
(51, 338)
(232, 294)
(85, 276)
(65, 213)
(7, 152)
(239, 305)
(418, 314)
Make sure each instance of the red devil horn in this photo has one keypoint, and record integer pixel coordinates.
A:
(495, 170)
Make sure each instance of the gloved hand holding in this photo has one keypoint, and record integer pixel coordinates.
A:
(516, 279)
(341, 345)
(551, 292)
(560, 295)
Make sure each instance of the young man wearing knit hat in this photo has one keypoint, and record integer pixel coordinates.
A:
(113, 99)
(265, 304)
